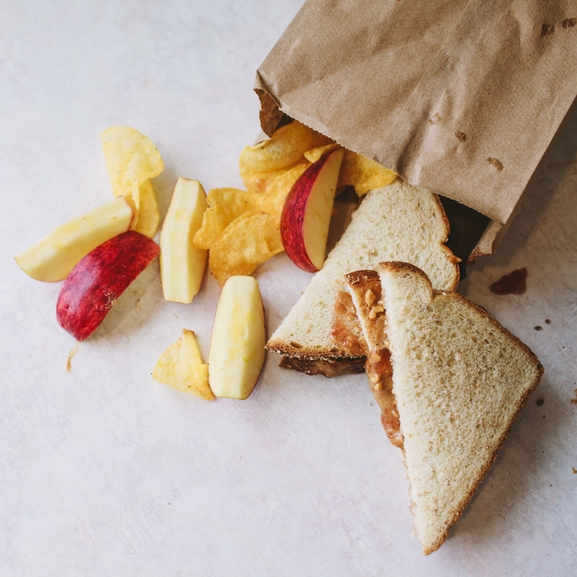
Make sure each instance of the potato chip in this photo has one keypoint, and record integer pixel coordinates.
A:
(314, 154)
(285, 147)
(147, 217)
(225, 205)
(363, 173)
(272, 235)
(131, 158)
(180, 366)
(241, 247)
(274, 186)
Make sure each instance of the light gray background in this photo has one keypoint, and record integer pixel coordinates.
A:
(105, 472)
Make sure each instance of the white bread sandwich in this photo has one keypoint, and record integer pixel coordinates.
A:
(397, 222)
(458, 380)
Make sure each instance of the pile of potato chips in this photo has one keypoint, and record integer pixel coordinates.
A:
(241, 228)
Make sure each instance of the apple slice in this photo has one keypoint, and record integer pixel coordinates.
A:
(97, 281)
(307, 212)
(182, 265)
(180, 366)
(238, 337)
(53, 257)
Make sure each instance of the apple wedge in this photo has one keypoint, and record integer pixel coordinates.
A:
(180, 366)
(53, 257)
(238, 337)
(97, 281)
(307, 212)
(181, 264)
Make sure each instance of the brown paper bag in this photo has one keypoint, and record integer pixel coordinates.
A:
(459, 97)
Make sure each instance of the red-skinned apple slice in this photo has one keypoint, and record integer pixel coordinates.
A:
(97, 281)
(307, 212)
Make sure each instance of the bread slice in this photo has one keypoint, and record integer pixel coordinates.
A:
(459, 380)
(397, 222)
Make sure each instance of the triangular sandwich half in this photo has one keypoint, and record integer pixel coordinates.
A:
(459, 378)
(396, 222)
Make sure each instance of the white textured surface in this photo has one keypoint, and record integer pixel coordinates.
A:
(105, 472)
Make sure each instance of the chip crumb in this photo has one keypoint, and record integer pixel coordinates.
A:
(71, 355)
(547, 29)
(435, 119)
(569, 22)
(538, 328)
(574, 470)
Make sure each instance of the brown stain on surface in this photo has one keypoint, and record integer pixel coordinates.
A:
(495, 162)
(461, 136)
(569, 22)
(547, 29)
(514, 283)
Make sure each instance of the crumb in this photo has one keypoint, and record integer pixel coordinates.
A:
(547, 29)
(71, 356)
(574, 470)
(435, 119)
(547, 322)
(538, 328)
(540, 402)
(569, 22)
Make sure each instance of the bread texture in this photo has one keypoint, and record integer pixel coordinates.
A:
(459, 380)
(398, 222)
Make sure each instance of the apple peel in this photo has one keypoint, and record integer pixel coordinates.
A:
(307, 212)
(96, 282)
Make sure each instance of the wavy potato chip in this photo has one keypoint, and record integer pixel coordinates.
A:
(285, 147)
(180, 366)
(314, 154)
(274, 186)
(131, 158)
(363, 173)
(241, 247)
(147, 217)
(224, 206)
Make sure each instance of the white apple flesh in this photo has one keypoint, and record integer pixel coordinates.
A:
(53, 257)
(307, 212)
(238, 337)
(182, 266)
